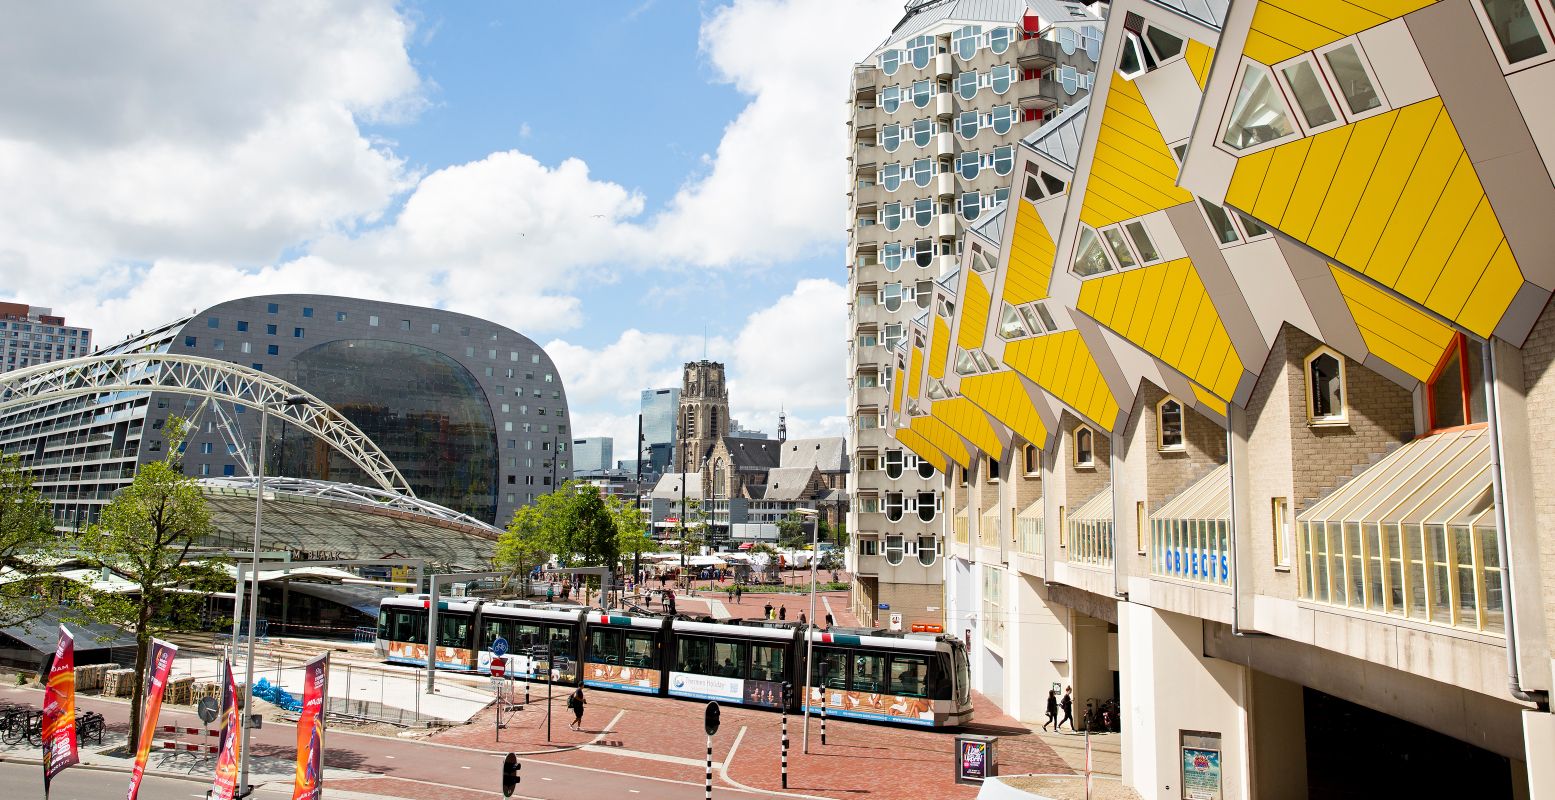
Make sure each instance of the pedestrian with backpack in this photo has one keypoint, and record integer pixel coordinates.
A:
(576, 702)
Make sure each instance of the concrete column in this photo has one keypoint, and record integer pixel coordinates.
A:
(1170, 689)
(1539, 743)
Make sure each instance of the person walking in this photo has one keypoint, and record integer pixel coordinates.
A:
(766, 613)
(783, 612)
(671, 602)
(738, 592)
(550, 592)
(576, 702)
(1052, 709)
(566, 590)
(1067, 704)
(828, 621)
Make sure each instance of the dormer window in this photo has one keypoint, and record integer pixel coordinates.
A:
(1327, 396)
(1084, 448)
(1169, 436)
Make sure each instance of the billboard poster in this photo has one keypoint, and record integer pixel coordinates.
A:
(309, 782)
(59, 711)
(707, 687)
(161, 664)
(768, 694)
(416, 653)
(1200, 765)
(615, 676)
(231, 741)
(873, 706)
(972, 760)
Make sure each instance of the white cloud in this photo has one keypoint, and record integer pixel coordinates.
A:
(791, 356)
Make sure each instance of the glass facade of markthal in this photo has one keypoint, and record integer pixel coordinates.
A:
(472, 416)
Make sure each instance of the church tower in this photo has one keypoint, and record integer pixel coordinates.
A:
(704, 412)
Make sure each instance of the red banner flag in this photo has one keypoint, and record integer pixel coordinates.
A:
(59, 711)
(161, 664)
(309, 784)
(231, 740)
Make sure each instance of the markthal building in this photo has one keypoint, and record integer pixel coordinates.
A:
(392, 431)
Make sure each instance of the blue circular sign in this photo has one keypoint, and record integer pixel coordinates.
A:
(499, 647)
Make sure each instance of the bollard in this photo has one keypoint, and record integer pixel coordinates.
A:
(823, 717)
(708, 790)
(785, 747)
(526, 691)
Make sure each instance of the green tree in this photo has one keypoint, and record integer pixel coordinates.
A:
(764, 558)
(693, 535)
(791, 532)
(841, 534)
(26, 532)
(522, 547)
(145, 534)
(832, 560)
(632, 537)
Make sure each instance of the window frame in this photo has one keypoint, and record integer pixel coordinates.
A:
(1331, 420)
(1543, 14)
(1321, 55)
(1324, 83)
(1224, 127)
(1283, 528)
(1160, 426)
(1090, 460)
(1032, 457)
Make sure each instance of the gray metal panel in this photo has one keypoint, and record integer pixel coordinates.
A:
(1209, 12)
(1059, 139)
(992, 226)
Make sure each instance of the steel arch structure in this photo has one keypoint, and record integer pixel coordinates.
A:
(201, 377)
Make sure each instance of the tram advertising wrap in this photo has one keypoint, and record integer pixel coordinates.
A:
(732, 690)
(874, 706)
(630, 679)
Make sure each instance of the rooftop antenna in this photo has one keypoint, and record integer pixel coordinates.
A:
(704, 341)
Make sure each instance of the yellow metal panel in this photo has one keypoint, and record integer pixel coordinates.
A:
(1280, 180)
(1317, 176)
(1393, 330)
(974, 313)
(1032, 251)
(1199, 56)
(1003, 397)
(1128, 299)
(1149, 306)
(1230, 376)
(1300, 32)
(1187, 306)
(967, 419)
(1481, 239)
(1133, 170)
(1107, 299)
(1493, 294)
(1210, 401)
(1338, 15)
(1247, 179)
(1349, 180)
(1154, 340)
(1446, 225)
(919, 445)
(897, 386)
(939, 348)
(1386, 182)
(1039, 358)
(1426, 182)
(1266, 49)
(938, 435)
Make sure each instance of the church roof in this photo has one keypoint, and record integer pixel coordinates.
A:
(788, 483)
(751, 454)
(668, 487)
(827, 454)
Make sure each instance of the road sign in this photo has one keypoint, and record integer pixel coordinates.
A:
(208, 709)
(499, 666)
(710, 718)
(499, 647)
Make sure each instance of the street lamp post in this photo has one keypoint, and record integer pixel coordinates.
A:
(809, 654)
(253, 577)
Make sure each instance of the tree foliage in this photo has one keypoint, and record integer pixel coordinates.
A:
(144, 535)
(26, 536)
(791, 532)
(577, 525)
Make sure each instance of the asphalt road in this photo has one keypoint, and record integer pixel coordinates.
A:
(432, 766)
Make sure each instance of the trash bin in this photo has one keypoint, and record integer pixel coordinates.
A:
(976, 758)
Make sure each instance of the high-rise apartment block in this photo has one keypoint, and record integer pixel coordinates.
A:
(657, 449)
(30, 335)
(593, 454)
(936, 113)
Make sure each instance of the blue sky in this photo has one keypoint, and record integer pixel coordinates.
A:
(610, 178)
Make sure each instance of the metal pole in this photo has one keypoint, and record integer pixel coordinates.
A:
(548, 662)
(253, 605)
(707, 792)
(432, 637)
(823, 716)
(809, 655)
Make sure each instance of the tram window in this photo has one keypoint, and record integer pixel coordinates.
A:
(639, 649)
(835, 668)
(560, 638)
(729, 659)
(868, 672)
(519, 634)
(766, 662)
(404, 625)
(453, 630)
(694, 654)
(909, 676)
(605, 646)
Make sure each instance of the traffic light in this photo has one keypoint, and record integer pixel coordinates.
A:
(510, 779)
(710, 719)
